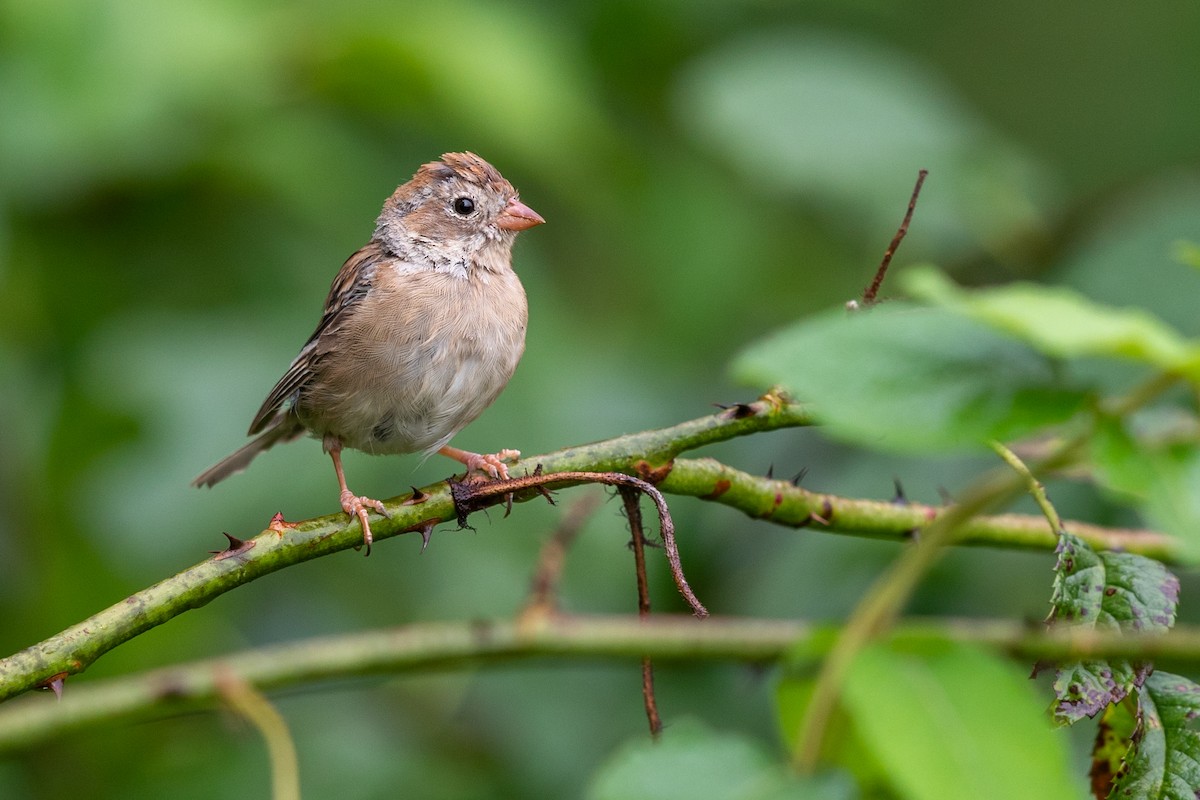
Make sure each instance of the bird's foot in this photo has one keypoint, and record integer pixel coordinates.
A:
(490, 463)
(356, 506)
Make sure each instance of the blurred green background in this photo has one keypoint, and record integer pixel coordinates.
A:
(179, 182)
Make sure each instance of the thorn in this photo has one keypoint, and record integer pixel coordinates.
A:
(770, 472)
(417, 498)
(55, 684)
(899, 499)
(426, 531)
(826, 515)
(508, 503)
(236, 547)
(278, 524)
(737, 410)
(799, 476)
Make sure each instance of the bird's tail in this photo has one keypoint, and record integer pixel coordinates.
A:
(239, 460)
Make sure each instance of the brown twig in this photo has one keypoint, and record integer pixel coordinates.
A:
(872, 291)
(543, 588)
(473, 495)
(633, 513)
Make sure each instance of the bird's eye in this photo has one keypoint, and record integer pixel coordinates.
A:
(463, 206)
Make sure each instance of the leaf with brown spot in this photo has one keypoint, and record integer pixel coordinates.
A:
(1106, 592)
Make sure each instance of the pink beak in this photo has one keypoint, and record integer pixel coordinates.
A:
(517, 216)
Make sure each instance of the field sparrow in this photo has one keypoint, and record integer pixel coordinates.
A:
(421, 331)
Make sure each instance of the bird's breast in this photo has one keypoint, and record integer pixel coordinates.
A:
(422, 356)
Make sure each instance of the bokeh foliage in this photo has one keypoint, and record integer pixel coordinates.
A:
(180, 180)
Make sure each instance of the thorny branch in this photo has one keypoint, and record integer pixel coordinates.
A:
(653, 455)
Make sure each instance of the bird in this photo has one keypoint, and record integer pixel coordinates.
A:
(421, 331)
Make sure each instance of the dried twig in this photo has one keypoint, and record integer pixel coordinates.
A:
(871, 292)
(473, 495)
(633, 513)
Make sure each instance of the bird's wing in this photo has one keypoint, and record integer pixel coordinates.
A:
(354, 280)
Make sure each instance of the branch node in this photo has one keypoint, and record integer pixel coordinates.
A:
(719, 488)
(654, 475)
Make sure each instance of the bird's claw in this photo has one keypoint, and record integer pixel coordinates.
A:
(492, 463)
(356, 506)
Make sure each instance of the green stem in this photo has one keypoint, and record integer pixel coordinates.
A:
(783, 503)
(1032, 485)
(881, 606)
(30, 721)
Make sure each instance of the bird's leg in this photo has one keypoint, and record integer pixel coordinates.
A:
(491, 463)
(352, 504)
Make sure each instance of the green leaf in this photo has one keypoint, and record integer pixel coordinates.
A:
(950, 721)
(840, 746)
(1165, 764)
(911, 379)
(693, 762)
(1106, 592)
(1161, 476)
(1060, 322)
